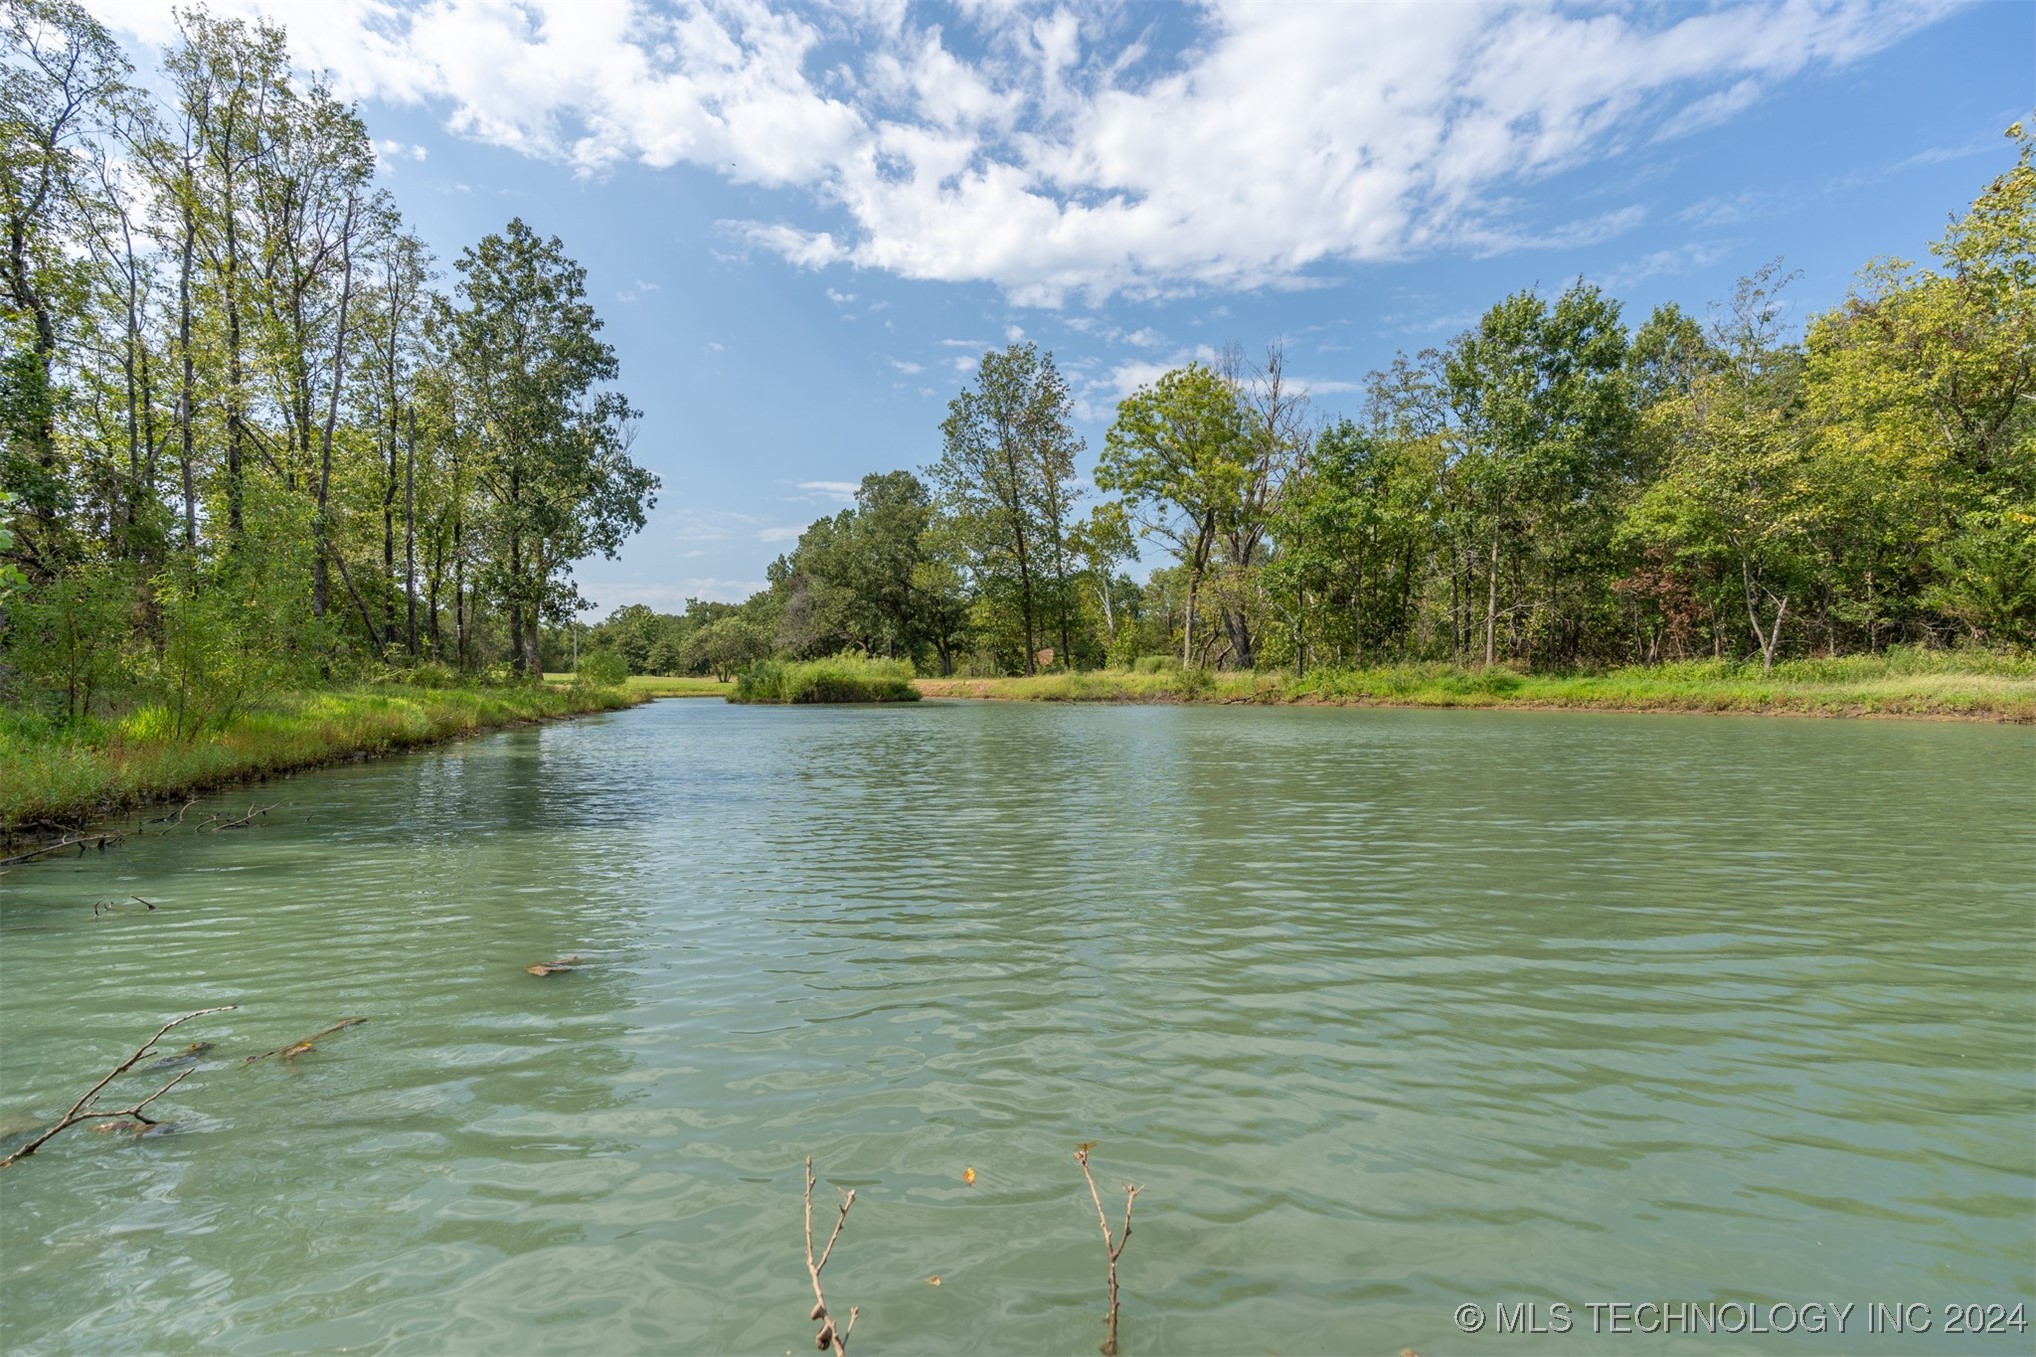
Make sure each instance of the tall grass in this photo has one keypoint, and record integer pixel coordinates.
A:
(1903, 682)
(843, 678)
(62, 775)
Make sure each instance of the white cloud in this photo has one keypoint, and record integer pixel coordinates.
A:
(841, 491)
(668, 597)
(840, 298)
(789, 533)
(1661, 264)
(1053, 152)
(1126, 378)
(906, 367)
(396, 150)
(638, 291)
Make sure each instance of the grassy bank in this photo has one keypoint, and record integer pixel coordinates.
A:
(663, 685)
(845, 678)
(50, 778)
(1933, 684)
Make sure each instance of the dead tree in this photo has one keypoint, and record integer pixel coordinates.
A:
(1113, 1247)
(79, 1110)
(828, 1337)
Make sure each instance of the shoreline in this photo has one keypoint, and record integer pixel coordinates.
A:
(1949, 698)
(111, 781)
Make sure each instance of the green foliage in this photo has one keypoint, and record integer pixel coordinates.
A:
(602, 669)
(724, 646)
(840, 678)
(1006, 479)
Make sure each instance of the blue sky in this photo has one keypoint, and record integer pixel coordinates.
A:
(802, 225)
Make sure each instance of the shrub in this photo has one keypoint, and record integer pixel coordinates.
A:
(602, 669)
(843, 678)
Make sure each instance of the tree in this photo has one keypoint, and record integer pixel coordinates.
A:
(1737, 487)
(61, 86)
(725, 646)
(1352, 534)
(1006, 473)
(1544, 414)
(1181, 457)
(551, 451)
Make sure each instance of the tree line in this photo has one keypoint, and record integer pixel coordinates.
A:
(1551, 488)
(247, 435)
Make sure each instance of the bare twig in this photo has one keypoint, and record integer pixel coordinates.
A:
(1113, 1248)
(828, 1337)
(297, 1048)
(241, 823)
(80, 842)
(176, 819)
(103, 907)
(78, 1112)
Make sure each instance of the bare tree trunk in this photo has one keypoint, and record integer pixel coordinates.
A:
(410, 532)
(322, 520)
(1492, 600)
(1769, 640)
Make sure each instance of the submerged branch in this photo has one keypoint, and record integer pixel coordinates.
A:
(78, 1112)
(242, 822)
(828, 1337)
(79, 842)
(1113, 1246)
(297, 1048)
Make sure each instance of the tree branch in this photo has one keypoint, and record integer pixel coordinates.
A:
(828, 1338)
(1113, 1247)
(78, 1112)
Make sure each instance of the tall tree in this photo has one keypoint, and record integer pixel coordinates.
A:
(551, 449)
(1007, 472)
(1182, 457)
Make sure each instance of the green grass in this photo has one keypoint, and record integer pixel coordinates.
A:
(1901, 683)
(663, 685)
(844, 678)
(52, 777)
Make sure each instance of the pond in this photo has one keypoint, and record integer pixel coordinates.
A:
(1387, 1011)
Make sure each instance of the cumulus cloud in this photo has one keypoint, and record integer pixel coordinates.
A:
(1062, 149)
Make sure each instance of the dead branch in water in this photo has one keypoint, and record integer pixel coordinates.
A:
(1113, 1248)
(242, 822)
(78, 1112)
(80, 842)
(176, 819)
(828, 1337)
(297, 1048)
(544, 968)
(104, 907)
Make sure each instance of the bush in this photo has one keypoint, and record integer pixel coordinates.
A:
(602, 669)
(844, 678)
(433, 674)
(1157, 664)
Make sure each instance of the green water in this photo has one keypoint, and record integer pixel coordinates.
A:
(1388, 1011)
